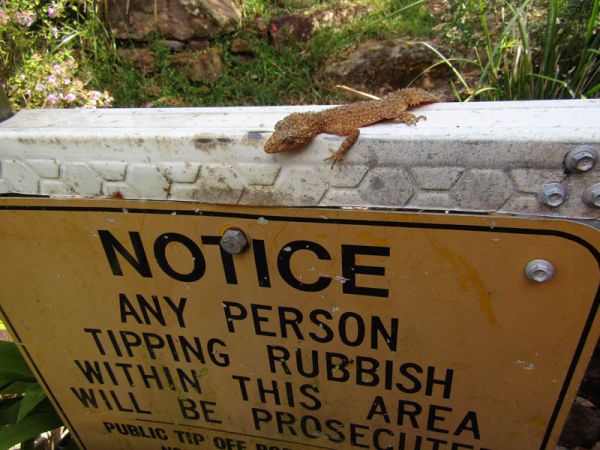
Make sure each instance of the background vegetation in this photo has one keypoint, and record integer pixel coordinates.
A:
(25, 411)
(59, 53)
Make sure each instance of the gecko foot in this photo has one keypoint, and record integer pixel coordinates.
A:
(409, 118)
(336, 157)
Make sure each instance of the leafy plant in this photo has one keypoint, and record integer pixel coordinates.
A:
(522, 59)
(25, 411)
(38, 58)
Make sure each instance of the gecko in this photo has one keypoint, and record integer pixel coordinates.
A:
(297, 129)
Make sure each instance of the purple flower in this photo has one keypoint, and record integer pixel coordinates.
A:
(52, 99)
(4, 19)
(52, 80)
(54, 32)
(70, 97)
(54, 10)
(26, 18)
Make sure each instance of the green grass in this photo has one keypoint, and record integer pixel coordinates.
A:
(291, 75)
(523, 49)
(270, 78)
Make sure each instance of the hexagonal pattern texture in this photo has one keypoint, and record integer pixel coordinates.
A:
(477, 157)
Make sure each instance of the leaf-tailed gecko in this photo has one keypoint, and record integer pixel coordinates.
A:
(298, 129)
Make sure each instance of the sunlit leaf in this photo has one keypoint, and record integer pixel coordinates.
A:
(33, 397)
(42, 419)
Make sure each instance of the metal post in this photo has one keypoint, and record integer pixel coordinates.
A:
(5, 110)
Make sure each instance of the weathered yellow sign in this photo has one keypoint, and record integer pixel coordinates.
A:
(334, 329)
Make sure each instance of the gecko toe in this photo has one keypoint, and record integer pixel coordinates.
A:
(336, 157)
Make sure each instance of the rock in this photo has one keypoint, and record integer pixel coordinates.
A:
(582, 427)
(290, 27)
(336, 17)
(175, 46)
(384, 65)
(193, 46)
(226, 13)
(200, 67)
(142, 58)
(241, 46)
(175, 19)
(299, 27)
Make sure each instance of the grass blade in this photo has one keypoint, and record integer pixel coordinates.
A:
(448, 63)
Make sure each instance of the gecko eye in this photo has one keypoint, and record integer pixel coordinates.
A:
(288, 140)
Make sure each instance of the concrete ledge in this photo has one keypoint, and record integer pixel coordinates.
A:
(491, 157)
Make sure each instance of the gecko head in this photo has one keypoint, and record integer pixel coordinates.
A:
(417, 97)
(292, 132)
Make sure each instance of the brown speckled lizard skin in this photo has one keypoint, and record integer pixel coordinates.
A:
(298, 129)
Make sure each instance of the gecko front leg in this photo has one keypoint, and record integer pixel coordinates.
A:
(408, 118)
(340, 153)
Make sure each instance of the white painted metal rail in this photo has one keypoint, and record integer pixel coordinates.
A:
(469, 157)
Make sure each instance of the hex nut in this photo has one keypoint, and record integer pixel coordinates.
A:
(591, 196)
(581, 159)
(552, 194)
(539, 270)
(234, 241)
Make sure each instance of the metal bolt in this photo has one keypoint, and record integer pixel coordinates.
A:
(581, 159)
(552, 194)
(539, 270)
(591, 196)
(234, 241)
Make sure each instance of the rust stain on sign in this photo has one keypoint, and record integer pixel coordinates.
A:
(335, 329)
(468, 276)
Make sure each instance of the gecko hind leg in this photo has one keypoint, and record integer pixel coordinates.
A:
(340, 153)
(408, 118)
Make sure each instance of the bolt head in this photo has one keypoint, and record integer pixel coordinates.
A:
(591, 196)
(581, 159)
(234, 241)
(539, 270)
(552, 194)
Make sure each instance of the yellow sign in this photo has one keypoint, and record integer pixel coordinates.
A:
(334, 329)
